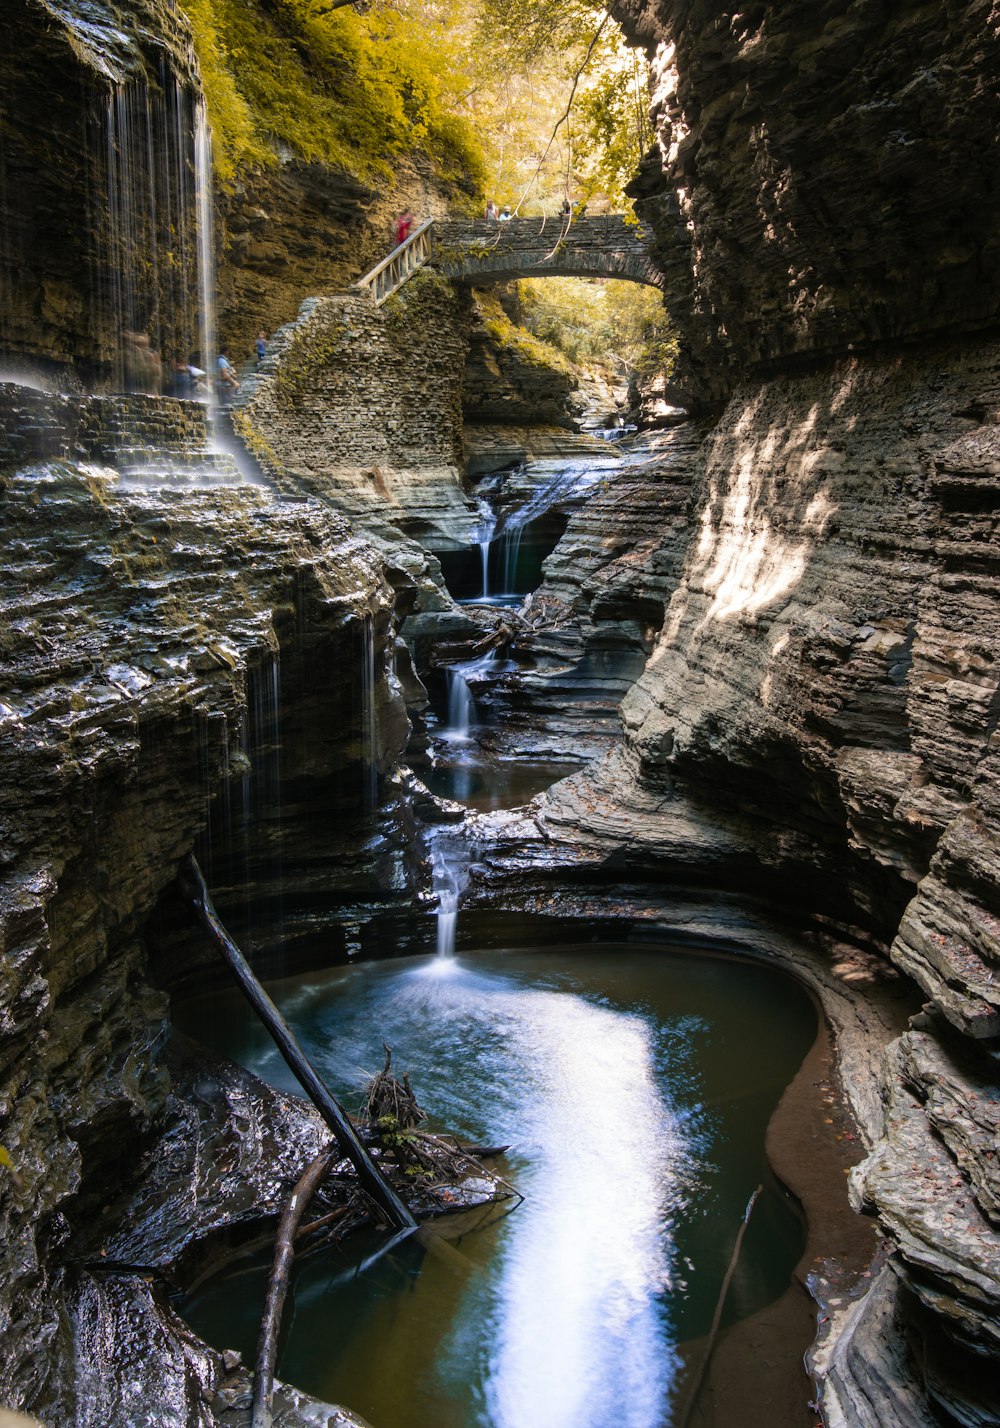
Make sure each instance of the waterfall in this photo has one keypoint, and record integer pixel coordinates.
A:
(483, 537)
(153, 262)
(450, 875)
(511, 555)
(462, 712)
(268, 834)
(206, 249)
(461, 706)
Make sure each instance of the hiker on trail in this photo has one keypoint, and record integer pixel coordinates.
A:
(491, 211)
(567, 208)
(404, 225)
(183, 383)
(506, 214)
(142, 364)
(260, 345)
(225, 375)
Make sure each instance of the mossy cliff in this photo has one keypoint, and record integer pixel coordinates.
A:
(325, 129)
(60, 67)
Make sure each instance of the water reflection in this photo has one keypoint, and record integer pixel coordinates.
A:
(580, 1337)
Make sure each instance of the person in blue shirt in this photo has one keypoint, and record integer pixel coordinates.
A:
(225, 374)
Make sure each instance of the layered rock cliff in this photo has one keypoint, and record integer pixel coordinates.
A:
(815, 730)
(159, 647)
(823, 177)
(817, 721)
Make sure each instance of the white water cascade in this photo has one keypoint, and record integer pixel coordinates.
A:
(461, 707)
(462, 713)
(153, 263)
(450, 874)
(206, 250)
(483, 536)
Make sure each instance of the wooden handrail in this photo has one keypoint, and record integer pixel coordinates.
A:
(389, 275)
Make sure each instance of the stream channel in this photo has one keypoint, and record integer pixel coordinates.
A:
(633, 1085)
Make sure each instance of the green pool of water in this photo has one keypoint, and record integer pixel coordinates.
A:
(634, 1087)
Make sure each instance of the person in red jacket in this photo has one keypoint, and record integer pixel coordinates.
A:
(404, 227)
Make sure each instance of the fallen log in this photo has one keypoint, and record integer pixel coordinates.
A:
(261, 1415)
(372, 1180)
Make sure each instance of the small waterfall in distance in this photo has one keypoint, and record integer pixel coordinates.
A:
(369, 718)
(462, 712)
(461, 707)
(206, 249)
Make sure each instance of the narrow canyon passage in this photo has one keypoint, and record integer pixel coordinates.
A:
(589, 691)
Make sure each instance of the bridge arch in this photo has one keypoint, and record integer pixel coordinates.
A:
(603, 246)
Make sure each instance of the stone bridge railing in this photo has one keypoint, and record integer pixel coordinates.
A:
(605, 246)
(480, 252)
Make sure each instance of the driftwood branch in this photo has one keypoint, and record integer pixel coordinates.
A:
(699, 1377)
(277, 1286)
(371, 1178)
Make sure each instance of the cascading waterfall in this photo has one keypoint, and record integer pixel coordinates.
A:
(462, 712)
(206, 248)
(573, 481)
(450, 874)
(461, 706)
(264, 833)
(511, 554)
(483, 536)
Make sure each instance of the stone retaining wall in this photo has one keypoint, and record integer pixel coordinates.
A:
(362, 406)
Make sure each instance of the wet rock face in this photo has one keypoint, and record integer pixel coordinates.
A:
(297, 231)
(817, 724)
(137, 627)
(508, 382)
(60, 67)
(825, 175)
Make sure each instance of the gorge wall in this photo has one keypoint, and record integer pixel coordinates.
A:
(159, 648)
(819, 715)
(821, 179)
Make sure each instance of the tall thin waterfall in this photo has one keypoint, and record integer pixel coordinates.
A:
(511, 555)
(154, 279)
(461, 706)
(483, 536)
(462, 712)
(206, 246)
(450, 874)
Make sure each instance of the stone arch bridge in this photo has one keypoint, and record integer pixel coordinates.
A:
(481, 252)
(604, 246)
